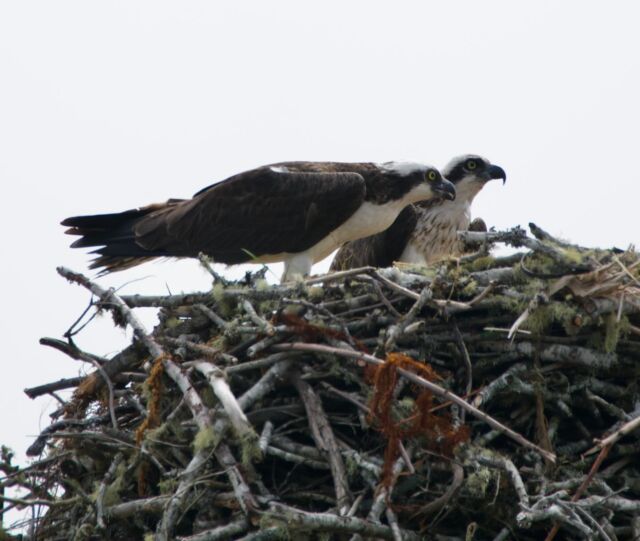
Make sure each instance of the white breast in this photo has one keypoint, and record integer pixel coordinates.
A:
(369, 219)
(436, 234)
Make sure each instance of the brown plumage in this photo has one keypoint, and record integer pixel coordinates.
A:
(425, 232)
(292, 212)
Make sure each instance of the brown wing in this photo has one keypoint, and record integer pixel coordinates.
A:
(259, 212)
(379, 250)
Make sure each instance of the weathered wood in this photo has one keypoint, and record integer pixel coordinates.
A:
(334, 407)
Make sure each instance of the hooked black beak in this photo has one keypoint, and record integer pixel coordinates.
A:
(495, 172)
(445, 189)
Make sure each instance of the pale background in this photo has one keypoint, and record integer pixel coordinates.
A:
(105, 106)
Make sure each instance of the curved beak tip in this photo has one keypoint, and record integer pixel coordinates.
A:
(446, 190)
(496, 172)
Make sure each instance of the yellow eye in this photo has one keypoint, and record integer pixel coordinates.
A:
(431, 175)
(471, 165)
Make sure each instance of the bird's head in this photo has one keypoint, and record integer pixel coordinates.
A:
(469, 174)
(418, 182)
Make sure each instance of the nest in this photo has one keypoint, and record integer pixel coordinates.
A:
(484, 398)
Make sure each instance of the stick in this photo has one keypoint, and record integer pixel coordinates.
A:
(435, 389)
(325, 440)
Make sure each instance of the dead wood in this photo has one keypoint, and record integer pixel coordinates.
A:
(489, 395)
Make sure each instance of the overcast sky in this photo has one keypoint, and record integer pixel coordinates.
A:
(105, 106)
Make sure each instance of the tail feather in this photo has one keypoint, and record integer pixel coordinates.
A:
(96, 222)
(107, 264)
(115, 236)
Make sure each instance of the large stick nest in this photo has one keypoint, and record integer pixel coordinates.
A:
(483, 398)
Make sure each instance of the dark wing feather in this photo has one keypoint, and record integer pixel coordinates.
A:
(252, 214)
(379, 250)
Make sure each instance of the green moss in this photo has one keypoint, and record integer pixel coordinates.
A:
(573, 255)
(470, 289)
(613, 331)
(477, 483)
(269, 521)
(221, 341)
(226, 306)
(538, 321)
(217, 292)
(172, 322)
(509, 304)
(112, 494)
(405, 407)
(351, 466)
(337, 370)
(315, 292)
(482, 263)
(173, 429)
(250, 452)
(265, 308)
(205, 439)
(261, 285)
(541, 319)
(208, 397)
(563, 313)
(624, 326)
(532, 287)
(168, 486)
(538, 264)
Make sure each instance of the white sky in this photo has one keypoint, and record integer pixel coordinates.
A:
(105, 106)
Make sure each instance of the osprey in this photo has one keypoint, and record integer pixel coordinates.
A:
(427, 231)
(296, 212)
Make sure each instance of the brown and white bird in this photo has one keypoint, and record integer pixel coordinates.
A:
(296, 212)
(425, 232)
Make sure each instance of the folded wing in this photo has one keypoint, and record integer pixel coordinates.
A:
(259, 212)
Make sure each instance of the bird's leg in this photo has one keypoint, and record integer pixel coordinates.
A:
(295, 267)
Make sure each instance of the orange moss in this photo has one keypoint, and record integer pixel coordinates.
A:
(143, 470)
(438, 430)
(311, 333)
(154, 382)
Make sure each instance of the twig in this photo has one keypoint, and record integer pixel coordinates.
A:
(464, 352)
(221, 532)
(610, 440)
(578, 494)
(102, 490)
(536, 301)
(265, 436)
(221, 389)
(439, 503)
(508, 466)
(219, 322)
(65, 383)
(325, 522)
(435, 389)
(109, 298)
(263, 324)
(206, 261)
(396, 331)
(325, 440)
(340, 275)
(107, 380)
